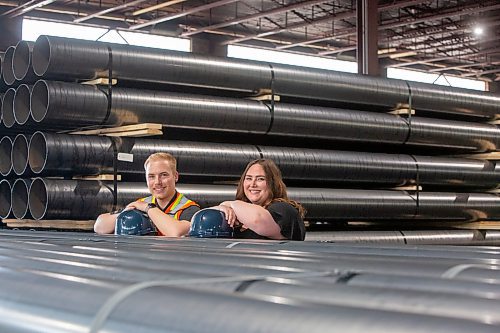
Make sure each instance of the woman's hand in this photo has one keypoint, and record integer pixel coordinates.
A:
(229, 214)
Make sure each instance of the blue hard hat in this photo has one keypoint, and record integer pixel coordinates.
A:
(210, 223)
(134, 222)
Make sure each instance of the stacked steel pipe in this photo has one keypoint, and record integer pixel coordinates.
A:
(169, 285)
(63, 57)
(67, 105)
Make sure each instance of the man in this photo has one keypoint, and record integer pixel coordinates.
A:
(169, 210)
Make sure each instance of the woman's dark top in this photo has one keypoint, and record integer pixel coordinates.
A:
(286, 216)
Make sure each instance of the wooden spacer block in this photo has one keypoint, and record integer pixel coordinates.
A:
(51, 224)
(138, 130)
(478, 225)
(493, 156)
(100, 81)
(99, 177)
(408, 188)
(265, 95)
(402, 111)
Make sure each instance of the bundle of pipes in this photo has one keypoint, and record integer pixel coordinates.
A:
(55, 57)
(278, 286)
(68, 155)
(81, 200)
(69, 105)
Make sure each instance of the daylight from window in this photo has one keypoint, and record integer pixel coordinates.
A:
(34, 28)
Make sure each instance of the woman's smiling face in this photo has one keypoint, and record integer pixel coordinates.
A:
(255, 185)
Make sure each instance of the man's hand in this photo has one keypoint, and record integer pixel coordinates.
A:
(139, 205)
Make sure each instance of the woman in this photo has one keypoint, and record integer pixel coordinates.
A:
(262, 208)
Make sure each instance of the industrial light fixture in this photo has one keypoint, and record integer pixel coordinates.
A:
(402, 54)
(478, 31)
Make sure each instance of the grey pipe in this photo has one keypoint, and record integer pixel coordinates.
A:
(400, 301)
(58, 57)
(20, 191)
(19, 156)
(5, 198)
(3, 85)
(160, 306)
(71, 199)
(443, 305)
(80, 200)
(8, 108)
(88, 106)
(59, 154)
(5, 156)
(21, 62)
(465, 237)
(7, 71)
(22, 105)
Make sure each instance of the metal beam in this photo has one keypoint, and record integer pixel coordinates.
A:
(33, 5)
(158, 6)
(367, 36)
(108, 10)
(252, 17)
(181, 14)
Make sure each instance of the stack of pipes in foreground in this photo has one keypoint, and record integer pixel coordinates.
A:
(63, 282)
(357, 182)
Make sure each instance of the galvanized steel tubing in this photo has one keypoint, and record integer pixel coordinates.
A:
(5, 198)
(72, 199)
(63, 57)
(68, 105)
(60, 154)
(19, 197)
(295, 281)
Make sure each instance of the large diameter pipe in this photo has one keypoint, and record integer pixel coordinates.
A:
(71, 199)
(19, 156)
(60, 154)
(3, 85)
(399, 301)
(130, 106)
(456, 237)
(8, 118)
(5, 199)
(52, 106)
(21, 62)
(7, 71)
(5, 156)
(56, 56)
(160, 304)
(22, 104)
(20, 192)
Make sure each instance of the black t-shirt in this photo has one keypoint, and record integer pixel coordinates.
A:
(286, 216)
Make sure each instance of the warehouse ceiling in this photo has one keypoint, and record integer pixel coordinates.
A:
(432, 35)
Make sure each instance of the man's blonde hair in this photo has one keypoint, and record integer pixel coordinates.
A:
(162, 157)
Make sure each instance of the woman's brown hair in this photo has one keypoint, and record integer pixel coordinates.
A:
(274, 182)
